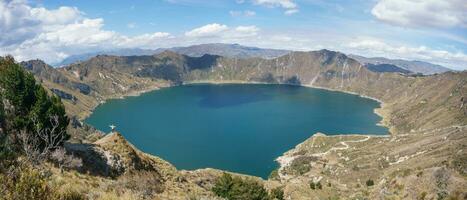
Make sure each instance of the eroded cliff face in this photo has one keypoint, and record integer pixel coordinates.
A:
(426, 116)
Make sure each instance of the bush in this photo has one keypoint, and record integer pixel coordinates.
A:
(64, 160)
(24, 184)
(301, 165)
(319, 186)
(370, 182)
(315, 186)
(277, 194)
(236, 188)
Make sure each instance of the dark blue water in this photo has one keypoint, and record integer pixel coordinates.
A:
(240, 128)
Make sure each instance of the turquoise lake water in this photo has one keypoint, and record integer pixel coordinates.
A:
(235, 127)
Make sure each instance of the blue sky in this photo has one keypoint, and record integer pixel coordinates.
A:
(429, 30)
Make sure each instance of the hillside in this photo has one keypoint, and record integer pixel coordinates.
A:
(386, 68)
(426, 116)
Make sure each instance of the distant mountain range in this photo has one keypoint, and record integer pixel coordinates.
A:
(377, 64)
(381, 64)
(220, 49)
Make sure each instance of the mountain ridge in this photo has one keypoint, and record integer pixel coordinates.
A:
(414, 66)
(419, 110)
(221, 49)
(239, 51)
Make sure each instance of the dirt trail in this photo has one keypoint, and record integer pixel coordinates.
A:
(346, 146)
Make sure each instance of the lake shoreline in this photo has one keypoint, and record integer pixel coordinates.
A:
(284, 159)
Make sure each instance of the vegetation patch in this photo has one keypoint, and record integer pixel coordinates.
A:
(237, 188)
(301, 165)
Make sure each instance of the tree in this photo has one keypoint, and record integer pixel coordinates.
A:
(38, 145)
(35, 122)
(48, 120)
(17, 88)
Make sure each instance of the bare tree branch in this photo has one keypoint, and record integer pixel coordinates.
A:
(39, 144)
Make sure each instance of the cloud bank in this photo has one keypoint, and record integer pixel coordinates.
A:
(53, 34)
(422, 13)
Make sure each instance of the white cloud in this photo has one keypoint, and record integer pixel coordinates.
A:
(52, 35)
(239, 13)
(62, 15)
(222, 31)
(29, 33)
(143, 41)
(376, 47)
(291, 11)
(289, 5)
(243, 31)
(19, 22)
(422, 13)
(207, 30)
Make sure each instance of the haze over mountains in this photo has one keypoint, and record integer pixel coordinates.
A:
(377, 64)
(413, 66)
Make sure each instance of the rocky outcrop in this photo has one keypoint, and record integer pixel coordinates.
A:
(64, 95)
(119, 163)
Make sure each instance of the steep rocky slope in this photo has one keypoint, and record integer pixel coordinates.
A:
(114, 166)
(426, 116)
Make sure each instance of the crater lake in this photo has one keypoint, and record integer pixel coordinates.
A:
(236, 127)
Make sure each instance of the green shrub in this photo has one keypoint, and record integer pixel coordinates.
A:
(301, 165)
(24, 184)
(315, 186)
(370, 182)
(312, 185)
(277, 194)
(236, 188)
